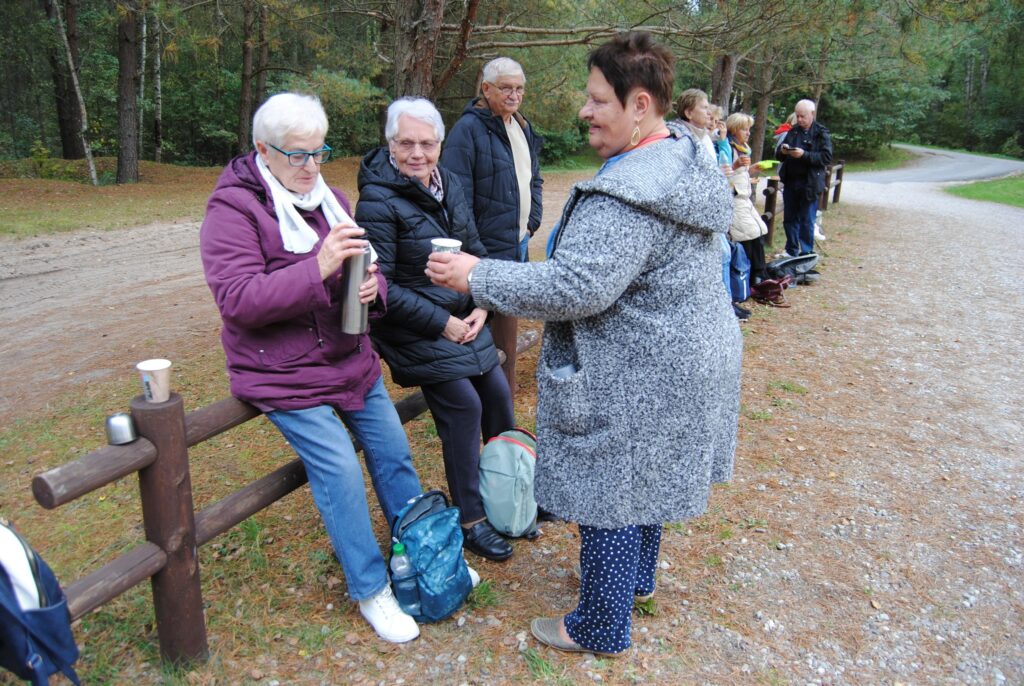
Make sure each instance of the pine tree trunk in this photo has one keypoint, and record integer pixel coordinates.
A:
(245, 97)
(77, 87)
(158, 94)
(69, 116)
(262, 58)
(142, 83)
(417, 27)
(127, 92)
(722, 78)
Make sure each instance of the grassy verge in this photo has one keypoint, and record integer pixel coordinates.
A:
(583, 160)
(881, 160)
(1008, 191)
(164, 193)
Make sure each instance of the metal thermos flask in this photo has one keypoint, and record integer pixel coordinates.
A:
(353, 274)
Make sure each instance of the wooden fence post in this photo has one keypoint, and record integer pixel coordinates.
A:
(823, 200)
(839, 180)
(169, 519)
(771, 195)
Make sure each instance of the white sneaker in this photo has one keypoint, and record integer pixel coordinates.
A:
(473, 576)
(387, 619)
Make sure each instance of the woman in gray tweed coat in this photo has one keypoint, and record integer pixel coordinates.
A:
(638, 378)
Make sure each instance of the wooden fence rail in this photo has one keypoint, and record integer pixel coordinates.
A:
(174, 531)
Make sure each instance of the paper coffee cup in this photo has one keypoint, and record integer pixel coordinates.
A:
(446, 245)
(156, 379)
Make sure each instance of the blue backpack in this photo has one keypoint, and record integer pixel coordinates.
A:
(739, 273)
(430, 530)
(35, 625)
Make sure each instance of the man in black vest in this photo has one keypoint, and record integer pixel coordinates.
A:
(495, 152)
(806, 152)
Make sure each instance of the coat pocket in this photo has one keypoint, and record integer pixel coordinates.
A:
(279, 345)
(566, 401)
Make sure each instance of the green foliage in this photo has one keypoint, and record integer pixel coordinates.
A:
(866, 115)
(559, 145)
(353, 109)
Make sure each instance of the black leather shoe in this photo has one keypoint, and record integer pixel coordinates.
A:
(485, 541)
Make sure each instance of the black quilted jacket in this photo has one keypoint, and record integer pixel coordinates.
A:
(478, 151)
(400, 217)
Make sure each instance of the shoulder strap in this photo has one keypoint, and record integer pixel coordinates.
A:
(41, 641)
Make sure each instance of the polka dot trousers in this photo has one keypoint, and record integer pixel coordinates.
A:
(616, 565)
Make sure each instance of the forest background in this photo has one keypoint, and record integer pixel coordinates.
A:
(178, 80)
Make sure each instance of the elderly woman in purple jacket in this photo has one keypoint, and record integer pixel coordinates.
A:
(273, 242)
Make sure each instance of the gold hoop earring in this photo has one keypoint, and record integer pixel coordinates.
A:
(635, 138)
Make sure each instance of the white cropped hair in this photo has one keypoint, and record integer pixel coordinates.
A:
(289, 114)
(417, 108)
(502, 66)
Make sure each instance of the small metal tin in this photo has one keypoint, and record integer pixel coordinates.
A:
(120, 429)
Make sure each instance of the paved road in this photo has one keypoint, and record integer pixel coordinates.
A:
(937, 166)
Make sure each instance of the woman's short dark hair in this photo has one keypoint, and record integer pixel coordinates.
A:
(633, 60)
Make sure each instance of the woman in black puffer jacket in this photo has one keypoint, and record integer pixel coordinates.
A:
(431, 336)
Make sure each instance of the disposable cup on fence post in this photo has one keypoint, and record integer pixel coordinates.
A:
(156, 379)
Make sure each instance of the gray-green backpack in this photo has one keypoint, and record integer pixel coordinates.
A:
(507, 465)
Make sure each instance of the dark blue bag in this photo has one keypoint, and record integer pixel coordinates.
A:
(430, 530)
(739, 273)
(35, 642)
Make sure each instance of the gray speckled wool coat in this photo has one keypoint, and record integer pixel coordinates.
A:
(633, 297)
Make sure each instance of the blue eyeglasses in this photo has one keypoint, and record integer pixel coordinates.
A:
(299, 158)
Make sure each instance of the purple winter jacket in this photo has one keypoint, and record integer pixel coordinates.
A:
(282, 324)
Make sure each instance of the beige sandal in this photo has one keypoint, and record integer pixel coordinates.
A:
(546, 630)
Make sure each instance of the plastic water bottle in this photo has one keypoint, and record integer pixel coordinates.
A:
(403, 579)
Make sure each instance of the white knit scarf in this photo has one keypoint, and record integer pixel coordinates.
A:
(296, 234)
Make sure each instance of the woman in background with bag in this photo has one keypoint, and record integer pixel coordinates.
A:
(638, 377)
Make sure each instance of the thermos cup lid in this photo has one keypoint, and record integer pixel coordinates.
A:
(120, 429)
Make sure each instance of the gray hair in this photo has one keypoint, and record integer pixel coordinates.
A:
(417, 108)
(502, 66)
(807, 103)
(288, 114)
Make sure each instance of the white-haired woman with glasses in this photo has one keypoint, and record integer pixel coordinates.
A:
(273, 242)
(431, 336)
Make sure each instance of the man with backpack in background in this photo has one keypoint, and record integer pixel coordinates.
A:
(806, 152)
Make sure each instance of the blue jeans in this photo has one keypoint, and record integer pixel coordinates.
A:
(798, 220)
(319, 438)
(616, 565)
(523, 249)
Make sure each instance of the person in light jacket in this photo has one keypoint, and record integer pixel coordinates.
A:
(638, 377)
(272, 244)
(747, 226)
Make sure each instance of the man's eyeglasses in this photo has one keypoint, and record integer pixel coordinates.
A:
(509, 90)
(299, 158)
(406, 145)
